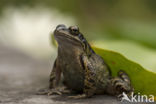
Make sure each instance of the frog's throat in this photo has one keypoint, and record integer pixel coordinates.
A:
(86, 46)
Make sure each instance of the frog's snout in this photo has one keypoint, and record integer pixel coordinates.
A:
(61, 27)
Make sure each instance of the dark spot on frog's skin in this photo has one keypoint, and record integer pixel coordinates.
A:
(91, 81)
(92, 74)
(81, 37)
(81, 61)
(91, 69)
(117, 81)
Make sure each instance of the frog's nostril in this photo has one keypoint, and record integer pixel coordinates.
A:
(60, 27)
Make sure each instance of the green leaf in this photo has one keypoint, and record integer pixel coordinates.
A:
(143, 81)
(140, 54)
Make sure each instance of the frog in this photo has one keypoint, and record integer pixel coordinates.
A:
(81, 70)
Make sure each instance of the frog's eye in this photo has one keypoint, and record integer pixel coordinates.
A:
(74, 30)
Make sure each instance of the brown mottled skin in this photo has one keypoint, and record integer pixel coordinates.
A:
(81, 69)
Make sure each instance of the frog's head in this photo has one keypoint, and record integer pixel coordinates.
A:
(71, 38)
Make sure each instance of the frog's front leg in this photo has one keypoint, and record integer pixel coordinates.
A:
(55, 75)
(120, 84)
(54, 87)
(89, 81)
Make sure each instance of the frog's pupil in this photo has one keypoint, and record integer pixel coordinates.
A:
(74, 30)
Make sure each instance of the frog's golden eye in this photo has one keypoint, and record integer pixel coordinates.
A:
(74, 30)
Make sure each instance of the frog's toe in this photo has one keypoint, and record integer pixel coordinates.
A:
(49, 92)
(54, 92)
(124, 76)
(121, 87)
(119, 97)
(42, 92)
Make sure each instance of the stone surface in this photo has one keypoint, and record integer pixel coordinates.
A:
(21, 76)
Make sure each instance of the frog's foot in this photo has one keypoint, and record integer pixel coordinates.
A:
(49, 92)
(54, 91)
(122, 84)
(119, 97)
(82, 96)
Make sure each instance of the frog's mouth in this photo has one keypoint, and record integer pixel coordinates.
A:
(63, 35)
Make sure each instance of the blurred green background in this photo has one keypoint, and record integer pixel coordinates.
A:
(126, 26)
